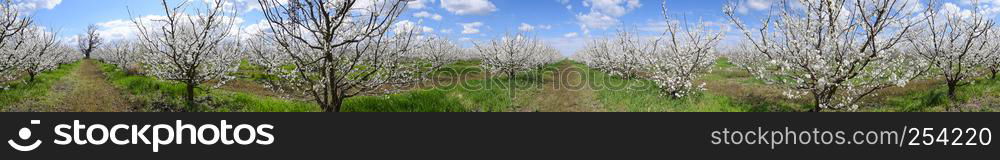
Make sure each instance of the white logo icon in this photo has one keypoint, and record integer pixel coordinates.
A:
(25, 134)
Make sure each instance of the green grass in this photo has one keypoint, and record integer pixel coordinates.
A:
(618, 94)
(982, 96)
(20, 90)
(636, 95)
(243, 102)
(736, 91)
(724, 70)
(485, 95)
(415, 101)
(492, 95)
(249, 71)
(159, 95)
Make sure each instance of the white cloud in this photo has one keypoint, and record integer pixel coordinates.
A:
(747, 6)
(468, 7)
(29, 5)
(984, 8)
(566, 2)
(422, 14)
(951, 9)
(407, 26)
(596, 20)
(524, 27)
(425, 14)
(545, 27)
(122, 29)
(242, 6)
(446, 31)
(990, 8)
(570, 35)
(568, 46)
(612, 7)
(759, 4)
(70, 40)
(363, 6)
(127, 29)
(419, 4)
(604, 13)
(988, 2)
(471, 28)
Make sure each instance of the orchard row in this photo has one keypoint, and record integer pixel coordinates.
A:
(834, 52)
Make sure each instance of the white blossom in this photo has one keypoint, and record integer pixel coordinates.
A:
(332, 50)
(956, 44)
(672, 60)
(837, 51)
(44, 52)
(191, 49)
(515, 53)
(126, 54)
(13, 25)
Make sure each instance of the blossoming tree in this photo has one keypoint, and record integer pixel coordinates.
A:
(191, 49)
(837, 51)
(13, 25)
(956, 44)
(333, 50)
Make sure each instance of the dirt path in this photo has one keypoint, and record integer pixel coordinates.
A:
(565, 92)
(87, 90)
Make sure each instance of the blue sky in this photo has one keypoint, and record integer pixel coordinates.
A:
(565, 24)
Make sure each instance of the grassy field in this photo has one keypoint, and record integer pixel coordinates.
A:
(567, 86)
(477, 92)
(159, 96)
(931, 96)
(37, 91)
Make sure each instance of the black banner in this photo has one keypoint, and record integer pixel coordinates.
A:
(503, 135)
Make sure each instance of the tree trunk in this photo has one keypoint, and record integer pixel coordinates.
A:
(31, 77)
(510, 86)
(993, 73)
(952, 86)
(190, 98)
(335, 106)
(816, 101)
